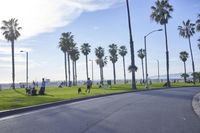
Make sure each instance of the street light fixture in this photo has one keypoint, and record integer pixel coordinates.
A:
(26, 67)
(133, 85)
(92, 70)
(145, 48)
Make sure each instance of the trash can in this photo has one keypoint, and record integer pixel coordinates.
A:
(109, 82)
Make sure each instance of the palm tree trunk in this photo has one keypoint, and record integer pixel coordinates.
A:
(114, 74)
(86, 65)
(193, 68)
(124, 70)
(101, 75)
(167, 56)
(75, 72)
(142, 71)
(65, 58)
(69, 69)
(185, 71)
(13, 64)
(133, 84)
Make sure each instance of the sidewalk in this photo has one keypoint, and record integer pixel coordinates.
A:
(196, 104)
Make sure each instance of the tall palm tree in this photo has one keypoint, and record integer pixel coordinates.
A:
(141, 55)
(74, 57)
(11, 33)
(101, 61)
(184, 56)
(63, 48)
(67, 41)
(198, 23)
(113, 58)
(186, 31)
(85, 49)
(161, 14)
(123, 52)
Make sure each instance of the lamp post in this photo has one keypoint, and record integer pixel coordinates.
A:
(145, 48)
(158, 70)
(133, 85)
(92, 70)
(26, 67)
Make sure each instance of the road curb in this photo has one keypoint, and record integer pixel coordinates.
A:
(7, 113)
(196, 104)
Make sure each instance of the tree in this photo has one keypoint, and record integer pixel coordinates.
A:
(183, 56)
(198, 23)
(11, 33)
(85, 49)
(185, 76)
(67, 44)
(196, 75)
(74, 57)
(186, 31)
(141, 55)
(123, 52)
(161, 14)
(63, 48)
(113, 58)
(101, 61)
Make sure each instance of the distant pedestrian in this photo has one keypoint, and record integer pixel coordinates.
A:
(42, 88)
(88, 85)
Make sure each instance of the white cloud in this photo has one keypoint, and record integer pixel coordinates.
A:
(39, 16)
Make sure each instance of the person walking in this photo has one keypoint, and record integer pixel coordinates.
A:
(42, 88)
(88, 85)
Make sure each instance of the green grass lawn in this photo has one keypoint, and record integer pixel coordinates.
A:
(11, 99)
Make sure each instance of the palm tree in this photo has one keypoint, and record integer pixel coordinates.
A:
(113, 58)
(185, 76)
(141, 55)
(63, 48)
(85, 49)
(67, 42)
(198, 23)
(161, 14)
(186, 31)
(11, 33)
(101, 61)
(74, 57)
(123, 52)
(183, 56)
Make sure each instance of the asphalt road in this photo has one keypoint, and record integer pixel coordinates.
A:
(158, 111)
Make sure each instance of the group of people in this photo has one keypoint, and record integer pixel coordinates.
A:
(33, 92)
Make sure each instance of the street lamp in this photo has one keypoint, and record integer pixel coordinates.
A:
(92, 70)
(133, 85)
(26, 67)
(158, 70)
(145, 48)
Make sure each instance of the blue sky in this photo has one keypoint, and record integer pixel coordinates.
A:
(98, 22)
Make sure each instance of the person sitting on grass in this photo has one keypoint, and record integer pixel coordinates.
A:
(33, 90)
